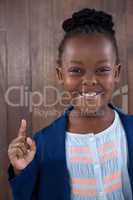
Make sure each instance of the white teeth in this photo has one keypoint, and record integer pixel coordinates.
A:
(89, 94)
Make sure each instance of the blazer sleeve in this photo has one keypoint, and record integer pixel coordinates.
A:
(23, 184)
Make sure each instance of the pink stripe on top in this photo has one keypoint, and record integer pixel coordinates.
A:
(75, 149)
(83, 181)
(81, 160)
(112, 177)
(81, 192)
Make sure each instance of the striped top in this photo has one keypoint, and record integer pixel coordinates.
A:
(98, 164)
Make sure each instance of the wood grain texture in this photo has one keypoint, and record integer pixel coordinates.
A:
(3, 106)
(42, 61)
(129, 36)
(3, 116)
(19, 71)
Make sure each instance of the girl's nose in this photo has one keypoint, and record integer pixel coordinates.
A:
(89, 79)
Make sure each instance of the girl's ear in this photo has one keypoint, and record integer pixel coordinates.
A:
(117, 72)
(59, 74)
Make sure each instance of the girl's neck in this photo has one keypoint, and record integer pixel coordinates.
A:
(78, 123)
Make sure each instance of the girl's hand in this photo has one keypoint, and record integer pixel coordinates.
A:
(21, 150)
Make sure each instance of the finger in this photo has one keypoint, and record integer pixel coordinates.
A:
(31, 144)
(16, 152)
(22, 129)
(15, 144)
(22, 146)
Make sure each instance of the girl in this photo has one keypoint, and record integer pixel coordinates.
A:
(87, 152)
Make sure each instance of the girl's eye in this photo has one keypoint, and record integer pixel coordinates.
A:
(75, 70)
(104, 70)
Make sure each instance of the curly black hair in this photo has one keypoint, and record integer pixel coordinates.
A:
(88, 21)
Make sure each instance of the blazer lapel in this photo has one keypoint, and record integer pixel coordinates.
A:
(127, 121)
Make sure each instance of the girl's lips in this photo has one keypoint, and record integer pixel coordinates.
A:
(90, 95)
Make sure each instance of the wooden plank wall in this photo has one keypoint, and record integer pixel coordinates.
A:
(30, 31)
(3, 106)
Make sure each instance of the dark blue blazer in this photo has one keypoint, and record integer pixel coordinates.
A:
(47, 177)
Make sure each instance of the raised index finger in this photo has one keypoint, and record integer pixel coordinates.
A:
(22, 129)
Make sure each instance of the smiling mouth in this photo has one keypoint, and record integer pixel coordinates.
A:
(90, 94)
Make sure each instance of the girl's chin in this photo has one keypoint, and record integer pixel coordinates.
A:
(88, 107)
(87, 112)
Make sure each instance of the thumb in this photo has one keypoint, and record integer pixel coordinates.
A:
(22, 129)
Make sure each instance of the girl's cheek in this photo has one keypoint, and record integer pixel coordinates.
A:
(71, 84)
(107, 82)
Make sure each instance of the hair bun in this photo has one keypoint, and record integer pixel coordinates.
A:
(88, 17)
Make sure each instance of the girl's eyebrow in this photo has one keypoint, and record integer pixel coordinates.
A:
(76, 62)
(79, 62)
(103, 61)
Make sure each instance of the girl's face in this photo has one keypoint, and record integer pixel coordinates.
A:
(89, 71)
